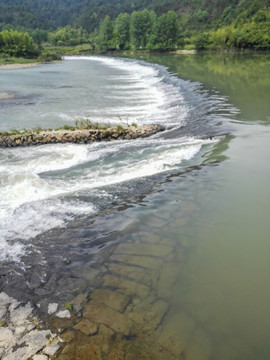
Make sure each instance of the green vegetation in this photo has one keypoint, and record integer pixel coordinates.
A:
(81, 124)
(69, 306)
(47, 29)
(14, 43)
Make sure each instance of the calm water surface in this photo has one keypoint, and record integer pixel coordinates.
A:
(227, 272)
(202, 198)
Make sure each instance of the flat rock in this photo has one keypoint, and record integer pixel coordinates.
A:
(63, 314)
(6, 337)
(52, 308)
(101, 313)
(19, 315)
(110, 298)
(29, 345)
(142, 261)
(149, 314)
(168, 275)
(78, 302)
(125, 286)
(88, 352)
(155, 250)
(176, 330)
(5, 299)
(87, 327)
(68, 336)
(143, 276)
(40, 357)
(3, 312)
(6, 96)
(51, 349)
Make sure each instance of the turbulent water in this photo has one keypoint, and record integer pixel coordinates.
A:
(45, 187)
(182, 216)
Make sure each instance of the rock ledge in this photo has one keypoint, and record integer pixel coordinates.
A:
(79, 136)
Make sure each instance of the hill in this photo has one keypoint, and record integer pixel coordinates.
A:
(194, 14)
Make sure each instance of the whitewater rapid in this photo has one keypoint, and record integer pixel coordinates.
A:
(46, 187)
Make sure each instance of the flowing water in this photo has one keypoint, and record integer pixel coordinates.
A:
(188, 208)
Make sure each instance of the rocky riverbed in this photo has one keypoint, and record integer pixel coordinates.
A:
(79, 136)
(129, 310)
(22, 334)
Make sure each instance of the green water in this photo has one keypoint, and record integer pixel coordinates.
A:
(244, 78)
(226, 275)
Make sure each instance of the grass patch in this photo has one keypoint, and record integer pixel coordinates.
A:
(69, 306)
(8, 60)
(80, 124)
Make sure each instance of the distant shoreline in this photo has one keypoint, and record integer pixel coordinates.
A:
(19, 66)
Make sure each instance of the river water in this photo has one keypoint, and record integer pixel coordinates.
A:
(188, 208)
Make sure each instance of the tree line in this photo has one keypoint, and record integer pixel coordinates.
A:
(17, 44)
(140, 30)
(198, 15)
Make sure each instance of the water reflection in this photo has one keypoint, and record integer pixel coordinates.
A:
(245, 78)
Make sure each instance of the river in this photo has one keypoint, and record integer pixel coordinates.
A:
(177, 223)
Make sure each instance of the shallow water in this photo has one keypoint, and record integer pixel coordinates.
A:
(55, 178)
(186, 245)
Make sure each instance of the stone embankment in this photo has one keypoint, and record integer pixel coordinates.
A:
(22, 335)
(79, 136)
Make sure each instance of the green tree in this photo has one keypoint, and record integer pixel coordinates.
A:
(105, 34)
(202, 41)
(167, 31)
(16, 44)
(142, 26)
(122, 27)
(68, 36)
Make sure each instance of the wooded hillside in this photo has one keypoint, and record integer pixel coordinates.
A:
(194, 14)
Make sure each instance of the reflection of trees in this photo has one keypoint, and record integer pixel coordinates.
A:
(245, 78)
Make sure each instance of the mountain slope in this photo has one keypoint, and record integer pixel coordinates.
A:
(195, 14)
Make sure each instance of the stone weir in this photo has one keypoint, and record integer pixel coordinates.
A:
(77, 135)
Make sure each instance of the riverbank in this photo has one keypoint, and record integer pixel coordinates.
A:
(78, 136)
(18, 66)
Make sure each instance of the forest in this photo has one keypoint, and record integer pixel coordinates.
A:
(33, 27)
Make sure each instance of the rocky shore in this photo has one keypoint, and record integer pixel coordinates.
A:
(79, 136)
(22, 334)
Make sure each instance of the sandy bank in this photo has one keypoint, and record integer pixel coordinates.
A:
(18, 66)
(6, 96)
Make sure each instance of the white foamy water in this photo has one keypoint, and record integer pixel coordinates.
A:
(45, 187)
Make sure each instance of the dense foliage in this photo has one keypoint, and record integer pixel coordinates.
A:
(141, 24)
(142, 30)
(193, 14)
(14, 43)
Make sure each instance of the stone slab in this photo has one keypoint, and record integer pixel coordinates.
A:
(87, 327)
(126, 287)
(102, 314)
(110, 298)
(149, 315)
(143, 276)
(88, 352)
(176, 331)
(168, 275)
(142, 261)
(31, 344)
(144, 249)
(52, 308)
(40, 357)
